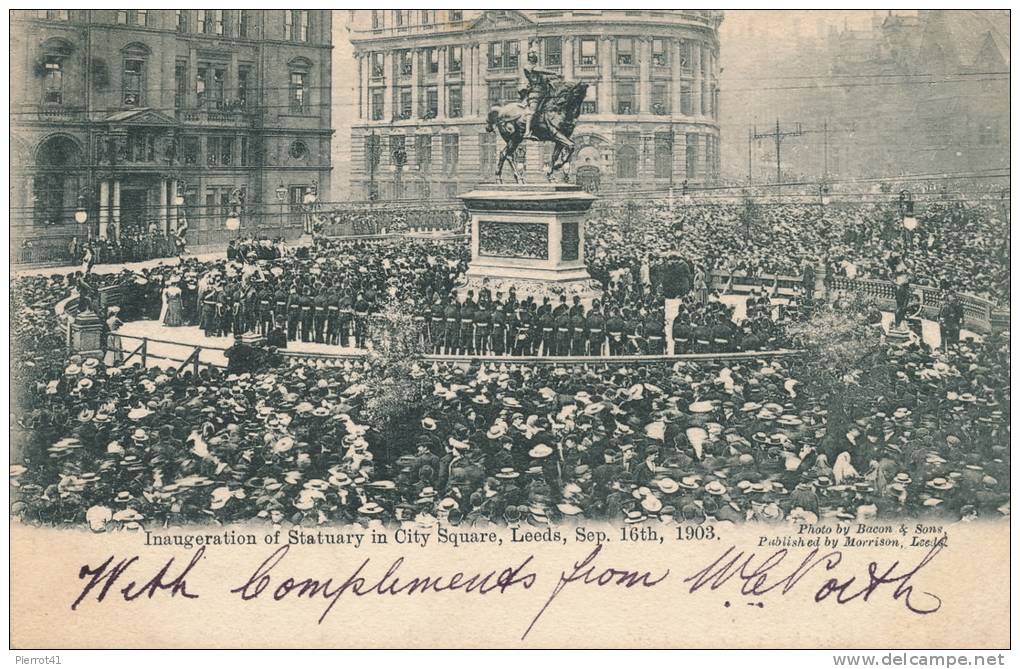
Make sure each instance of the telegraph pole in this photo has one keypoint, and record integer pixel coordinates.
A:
(778, 135)
(750, 139)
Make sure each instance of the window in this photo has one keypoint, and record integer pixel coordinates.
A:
(131, 83)
(245, 152)
(243, 23)
(456, 15)
(504, 55)
(431, 102)
(398, 150)
(660, 56)
(589, 51)
(686, 51)
(455, 103)
(377, 19)
(399, 18)
(428, 17)
(423, 151)
(705, 100)
(180, 83)
(686, 103)
(373, 149)
(625, 98)
(456, 59)
(487, 154)
(217, 201)
(626, 162)
(406, 65)
(706, 61)
(141, 146)
(209, 85)
(214, 22)
(553, 51)
(122, 17)
(298, 92)
(182, 20)
(660, 98)
(141, 17)
(451, 153)
(378, 65)
(189, 150)
(54, 14)
(219, 150)
(404, 95)
(204, 21)
(53, 82)
(295, 25)
(377, 104)
(988, 132)
(663, 155)
(502, 91)
(692, 156)
(244, 82)
(590, 105)
(624, 51)
(432, 58)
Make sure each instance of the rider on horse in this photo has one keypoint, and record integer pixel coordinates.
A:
(538, 90)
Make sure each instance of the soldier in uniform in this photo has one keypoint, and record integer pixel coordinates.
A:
(561, 307)
(346, 317)
(523, 329)
(596, 322)
(467, 322)
(209, 305)
(482, 320)
(578, 329)
(320, 306)
(307, 313)
(564, 328)
(498, 326)
(333, 316)
(546, 325)
(293, 313)
(360, 321)
(950, 320)
(265, 313)
(635, 340)
(654, 330)
(538, 90)
(437, 327)
(615, 327)
(682, 333)
(451, 335)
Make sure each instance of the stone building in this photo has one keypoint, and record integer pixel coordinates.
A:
(424, 81)
(137, 119)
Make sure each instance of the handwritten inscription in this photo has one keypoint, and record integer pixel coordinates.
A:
(823, 574)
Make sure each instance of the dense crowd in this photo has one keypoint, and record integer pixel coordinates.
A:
(510, 444)
(384, 439)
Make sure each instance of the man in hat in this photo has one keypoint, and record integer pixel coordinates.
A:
(950, 320)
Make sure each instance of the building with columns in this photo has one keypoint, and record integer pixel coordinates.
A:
(426, 79)
(143, 119)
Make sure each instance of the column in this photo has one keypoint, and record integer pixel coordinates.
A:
(696, 86)
(164, 211)
(674, 69)
(567, 56)
(115, 210)
(415, 81)
(173, 206)
(605, 76)
(469, 80)
(387, 85)
(644, 45)
(361, 85)
(104, 208)
(441, 83)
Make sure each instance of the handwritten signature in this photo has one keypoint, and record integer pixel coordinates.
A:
(773, 574)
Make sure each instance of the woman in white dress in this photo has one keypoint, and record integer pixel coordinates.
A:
(172, 314)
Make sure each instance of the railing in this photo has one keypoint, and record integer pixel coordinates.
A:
(118, 354)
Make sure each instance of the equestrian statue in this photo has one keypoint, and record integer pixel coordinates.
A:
(547, 112)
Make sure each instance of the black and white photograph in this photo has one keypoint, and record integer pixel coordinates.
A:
(539, 275)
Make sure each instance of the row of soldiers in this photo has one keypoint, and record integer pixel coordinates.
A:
(510, 326)
(130, 247)
(320, 313)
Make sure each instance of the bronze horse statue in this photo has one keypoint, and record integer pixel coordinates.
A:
(553, 122)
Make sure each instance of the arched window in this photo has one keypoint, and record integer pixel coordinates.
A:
(132, 82)
(56, 183)
(626, 162)
(300, 69)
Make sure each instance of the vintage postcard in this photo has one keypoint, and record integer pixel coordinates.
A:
(537, 328)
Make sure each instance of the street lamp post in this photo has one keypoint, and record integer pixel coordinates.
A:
(907, 214)
(281, 195)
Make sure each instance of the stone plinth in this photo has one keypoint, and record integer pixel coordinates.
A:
(86, 333)
(529, 237)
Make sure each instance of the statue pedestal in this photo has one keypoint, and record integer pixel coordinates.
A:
(530, 238)
(86, 334)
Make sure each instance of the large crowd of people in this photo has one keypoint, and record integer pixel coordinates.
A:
(498, 442)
